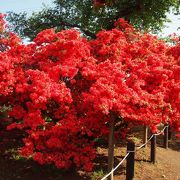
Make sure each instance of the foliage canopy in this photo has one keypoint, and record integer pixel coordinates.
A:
(90, 17)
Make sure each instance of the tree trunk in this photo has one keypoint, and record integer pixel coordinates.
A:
(111, 146)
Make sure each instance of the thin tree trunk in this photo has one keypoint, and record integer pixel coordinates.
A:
(145, 135)
(111, 146)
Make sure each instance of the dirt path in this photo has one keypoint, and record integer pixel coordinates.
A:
(167, 166)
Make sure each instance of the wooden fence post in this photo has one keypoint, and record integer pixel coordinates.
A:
(145, 135)
(153, 149)
(111, 147)
(166, 137)
(130, 161)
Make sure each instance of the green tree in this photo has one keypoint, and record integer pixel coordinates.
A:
(89, 19)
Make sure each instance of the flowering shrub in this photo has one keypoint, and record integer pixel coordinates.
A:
(63, 89)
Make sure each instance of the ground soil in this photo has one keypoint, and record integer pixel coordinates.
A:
(167, 166)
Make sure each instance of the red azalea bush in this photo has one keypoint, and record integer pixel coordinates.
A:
(173, 95)
(62, 89)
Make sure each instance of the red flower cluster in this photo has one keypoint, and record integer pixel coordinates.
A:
(101, 3)
(62, 89)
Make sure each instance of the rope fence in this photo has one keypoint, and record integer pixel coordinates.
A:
(153, 142)
(112, 171)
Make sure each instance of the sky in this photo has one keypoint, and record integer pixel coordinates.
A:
(35, 5)
(22, 5)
